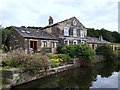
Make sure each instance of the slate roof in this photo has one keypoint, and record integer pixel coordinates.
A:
(33, 33)
(96, 40)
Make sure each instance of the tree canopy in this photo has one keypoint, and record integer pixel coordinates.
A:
(113, 37)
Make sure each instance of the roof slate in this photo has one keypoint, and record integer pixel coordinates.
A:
(33, 33)
(96, 40)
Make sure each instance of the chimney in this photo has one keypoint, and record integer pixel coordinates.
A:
(50, 20)
(100, 38)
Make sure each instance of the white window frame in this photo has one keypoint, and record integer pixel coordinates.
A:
(67, 42)
(54, 44)
(75, 41)
(43, 45)
(74, 32)
(82, 33)
(66, 31)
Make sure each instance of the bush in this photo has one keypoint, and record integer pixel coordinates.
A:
(54, 62)
(36, 63)
(66, 58)
(118, 52)
(87, 52)
(106, 51)
(31, 62)
(76, 51)
(61, 57)
(15, 58)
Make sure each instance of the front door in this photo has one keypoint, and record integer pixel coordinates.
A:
(33, 45)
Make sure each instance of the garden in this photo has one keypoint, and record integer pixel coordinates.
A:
(36, 62)
(65, 55)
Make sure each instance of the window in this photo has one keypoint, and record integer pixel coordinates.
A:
(28, 32)
(81, 33)
(74, 41)
(82, 42)
(74, 32)
(44, 43)
(22, 31)
(66, 31)
(66, 42)
(54, 44)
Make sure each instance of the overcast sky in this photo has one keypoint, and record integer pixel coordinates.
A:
(91, 13)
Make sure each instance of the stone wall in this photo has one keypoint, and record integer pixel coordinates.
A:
(15, 77)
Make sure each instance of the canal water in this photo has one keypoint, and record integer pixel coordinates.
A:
(102, 75)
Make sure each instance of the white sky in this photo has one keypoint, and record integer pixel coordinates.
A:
(91, 13)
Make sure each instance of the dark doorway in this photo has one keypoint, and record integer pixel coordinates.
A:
(33, 45)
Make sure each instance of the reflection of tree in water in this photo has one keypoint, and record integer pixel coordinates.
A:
(79, 78)
(106, 69)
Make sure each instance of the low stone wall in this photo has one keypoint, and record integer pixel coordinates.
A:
(15, 77)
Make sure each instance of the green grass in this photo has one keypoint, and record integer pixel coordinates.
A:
(1, 51)
(8, 68)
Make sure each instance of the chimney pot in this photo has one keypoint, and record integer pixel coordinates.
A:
(50, 20)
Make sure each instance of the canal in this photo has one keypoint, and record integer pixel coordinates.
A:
(102, 75)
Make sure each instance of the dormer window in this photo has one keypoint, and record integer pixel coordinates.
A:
(74, 32)
(66, 31)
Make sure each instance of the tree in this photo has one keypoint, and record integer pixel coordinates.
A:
(106, 51)
(107, 35)
(5, 32)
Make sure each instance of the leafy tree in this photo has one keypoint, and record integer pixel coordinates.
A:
(106, 51)
(116, 36)
(107, 35)
(5, 32)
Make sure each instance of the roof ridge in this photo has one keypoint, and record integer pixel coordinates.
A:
(58, 22)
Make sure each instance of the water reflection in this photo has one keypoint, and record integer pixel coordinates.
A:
(102, 75)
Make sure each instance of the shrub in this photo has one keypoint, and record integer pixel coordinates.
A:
(118, 52)
(106, 51)
(15, 58)
(59, 49)
(87, 52)
(54, 62)
(64, 57)
(60, 57)
(36, 63)
(31, 62)
(76, 51)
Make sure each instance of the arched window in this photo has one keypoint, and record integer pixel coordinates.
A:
(66, 31)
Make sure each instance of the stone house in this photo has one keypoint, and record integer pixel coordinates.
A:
(30, 39)
(69, 31)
